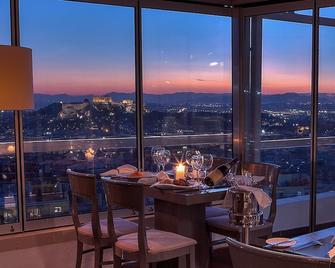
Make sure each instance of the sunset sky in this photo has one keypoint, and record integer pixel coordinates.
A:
(82, 48)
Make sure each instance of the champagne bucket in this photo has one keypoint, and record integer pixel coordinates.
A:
(245, 209)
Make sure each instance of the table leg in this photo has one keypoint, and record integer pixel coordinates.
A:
(246, 234)
(188, 221)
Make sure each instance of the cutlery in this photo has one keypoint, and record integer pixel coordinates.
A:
(308, 244)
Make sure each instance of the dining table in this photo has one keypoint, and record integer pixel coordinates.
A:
(315, 244)
(184, 212)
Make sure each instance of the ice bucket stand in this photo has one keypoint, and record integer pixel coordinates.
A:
(244, 212)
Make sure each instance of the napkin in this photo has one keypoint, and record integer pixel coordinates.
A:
(245, 180)
(121, 169)
(331, 252)
(160, 177)
(262, 198)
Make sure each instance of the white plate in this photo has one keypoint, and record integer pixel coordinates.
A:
(274, 242)
(144, 174)
(167, 186)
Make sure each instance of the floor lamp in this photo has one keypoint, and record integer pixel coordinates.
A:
(16, 78)
(16, 81)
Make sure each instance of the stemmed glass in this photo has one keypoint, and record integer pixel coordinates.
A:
(249, 181)
(207, 163)
(155, 154)
(164, 158)
(197, 162)
(160, 156)
(189, 154)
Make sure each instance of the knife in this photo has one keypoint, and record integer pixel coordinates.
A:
(308, 244)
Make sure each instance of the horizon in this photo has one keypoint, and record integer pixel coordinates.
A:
(174, 93)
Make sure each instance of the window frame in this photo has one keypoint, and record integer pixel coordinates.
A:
(238, 16)
(23, 224)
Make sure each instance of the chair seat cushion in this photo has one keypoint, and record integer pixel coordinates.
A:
(158, 242)
(215, 212)
(222, 223)
(121, 226)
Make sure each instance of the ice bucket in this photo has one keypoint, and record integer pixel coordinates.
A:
(245, 209)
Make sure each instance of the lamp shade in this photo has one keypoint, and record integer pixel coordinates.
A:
(16, 78)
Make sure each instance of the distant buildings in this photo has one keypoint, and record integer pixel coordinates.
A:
(102, 100)
(72, 110)
(69, 110)
(128, 105)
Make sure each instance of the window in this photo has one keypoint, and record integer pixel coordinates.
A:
(187, 82)
(4, 22)
(9, 212)
(326, 123)
(84, 85)
(279, 123)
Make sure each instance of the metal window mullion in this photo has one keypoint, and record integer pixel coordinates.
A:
(237, 84)
(314, 121)
(139, 85)
(15, 41)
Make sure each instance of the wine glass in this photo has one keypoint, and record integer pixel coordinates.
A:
(207, 163)
(164, 157)
(248, 178)
(155, 154)
(197, 162)
(189, 154)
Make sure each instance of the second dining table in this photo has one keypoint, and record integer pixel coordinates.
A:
(183, 212)
(315, 244)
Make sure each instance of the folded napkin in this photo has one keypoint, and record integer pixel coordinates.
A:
(159, 178)
(246, 180)
(262, 198)
(162, 178)
(331, 253)
(124, 169)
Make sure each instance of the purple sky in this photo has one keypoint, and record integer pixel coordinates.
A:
(82, 48)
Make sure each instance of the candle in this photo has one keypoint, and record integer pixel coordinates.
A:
(89, 154)
(180, 172)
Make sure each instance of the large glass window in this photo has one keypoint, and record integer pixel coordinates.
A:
(84, 86)
(187, 82)
(278, 125)
(326, 123)
(4, 22)
(8, 180)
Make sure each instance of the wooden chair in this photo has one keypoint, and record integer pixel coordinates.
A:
(145, 246)
(243, 256)
(95, 232)
(221, 225)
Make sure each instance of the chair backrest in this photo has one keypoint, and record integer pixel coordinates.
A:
(128, 195)
(243, 256)
(84, 186)
(271, 174)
